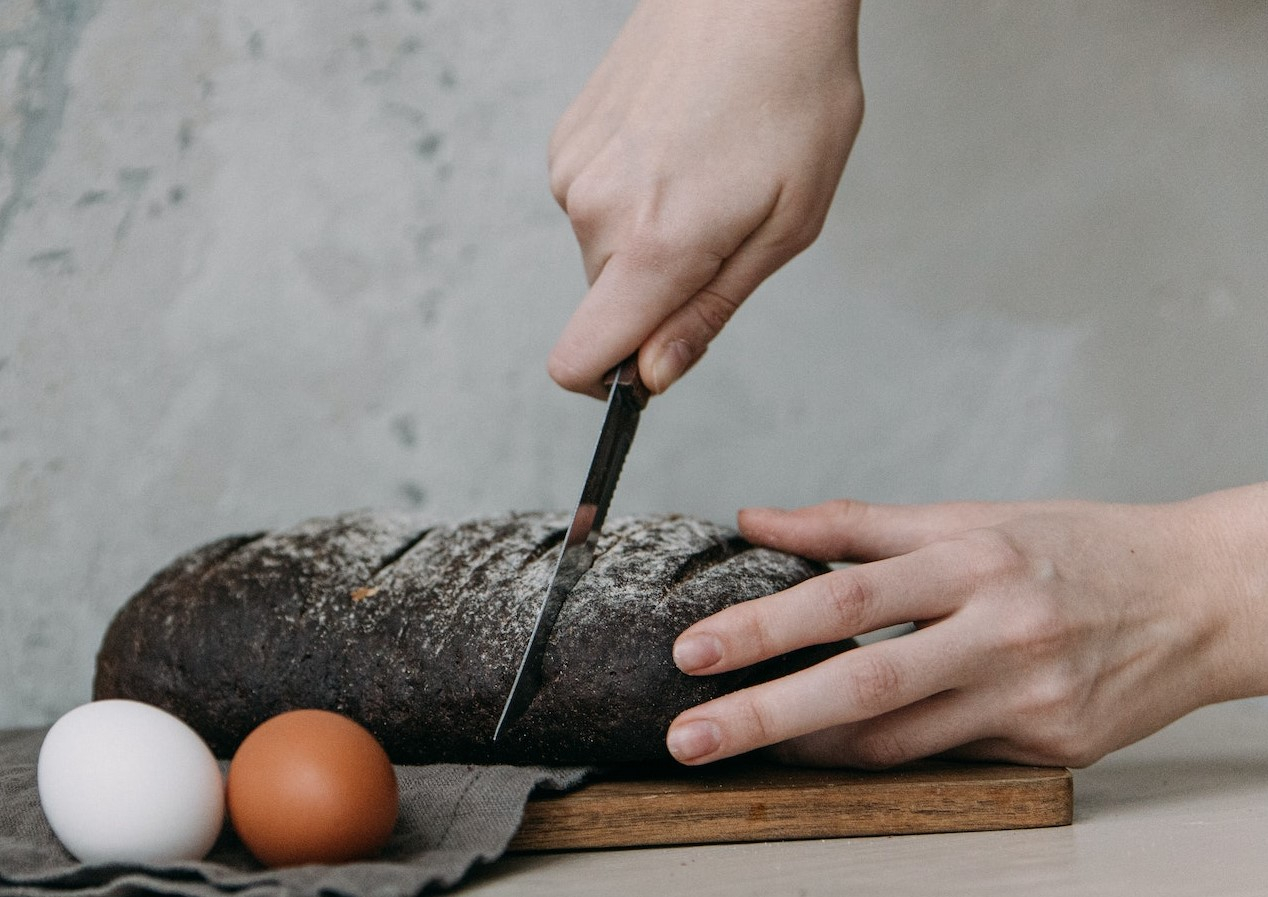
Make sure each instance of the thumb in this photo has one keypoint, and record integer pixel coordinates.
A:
(682, 339)
(626, 304)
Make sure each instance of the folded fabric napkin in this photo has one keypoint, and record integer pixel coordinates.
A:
(452, 818)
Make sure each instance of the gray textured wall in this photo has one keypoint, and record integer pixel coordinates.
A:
(261, 260)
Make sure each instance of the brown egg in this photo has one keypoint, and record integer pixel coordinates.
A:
(311, 786)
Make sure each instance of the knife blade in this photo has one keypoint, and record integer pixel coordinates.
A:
(626, 400)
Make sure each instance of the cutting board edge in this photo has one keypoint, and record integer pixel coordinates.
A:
(874, 804)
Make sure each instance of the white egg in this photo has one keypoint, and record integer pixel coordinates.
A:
(122, 781)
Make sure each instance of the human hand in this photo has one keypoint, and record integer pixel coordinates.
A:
(1047, 633)
(701, 156)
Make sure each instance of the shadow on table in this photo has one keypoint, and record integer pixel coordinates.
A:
(1157, 782)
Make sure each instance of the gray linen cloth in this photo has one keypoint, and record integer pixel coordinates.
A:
(452, 818)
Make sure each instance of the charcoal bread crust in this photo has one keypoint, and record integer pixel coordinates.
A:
(416, 630)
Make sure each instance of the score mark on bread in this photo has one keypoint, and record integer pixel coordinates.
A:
(247, 627)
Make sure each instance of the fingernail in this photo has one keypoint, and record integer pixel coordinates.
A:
(693, 740)
(695, 652)
(671, 364)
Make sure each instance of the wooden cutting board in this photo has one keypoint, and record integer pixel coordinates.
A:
(750, 801)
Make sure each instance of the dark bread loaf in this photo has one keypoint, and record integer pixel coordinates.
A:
(417, 631)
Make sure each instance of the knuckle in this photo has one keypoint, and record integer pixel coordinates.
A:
(560, 169)
(849, 602)
(801, 217)
(1047, 697)
(757, 722)
(1049, 722)
(752, 632)
(588, 198)
(560, 181)
(1063, 694)
(790, 241)
(1035, 632)
(992, 556)
(714, 310)
(803, 235)
(849, 512)
(871, 683)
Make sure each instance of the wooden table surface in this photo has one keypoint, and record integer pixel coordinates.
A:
(1184, 812)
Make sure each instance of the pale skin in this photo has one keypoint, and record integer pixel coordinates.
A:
(1047, 632)
(701, 156)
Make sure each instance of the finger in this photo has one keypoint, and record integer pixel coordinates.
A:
(681, 341)
(836, 605)
(855, 530)
(859, 684)
(632, 294)
(672, 269)
(682, 338)
(577, 140)
(933, 726)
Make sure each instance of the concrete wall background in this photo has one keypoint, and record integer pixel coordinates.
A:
(269, 259)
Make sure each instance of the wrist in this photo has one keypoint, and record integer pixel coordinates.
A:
(1230, 530)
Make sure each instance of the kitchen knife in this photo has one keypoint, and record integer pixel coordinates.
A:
(627, 398)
